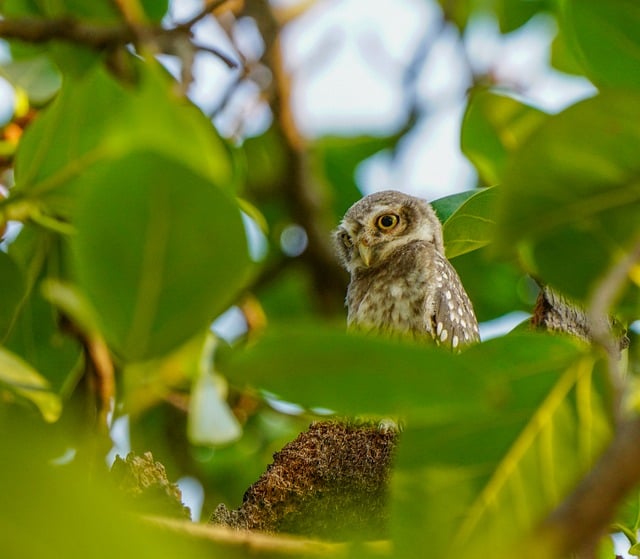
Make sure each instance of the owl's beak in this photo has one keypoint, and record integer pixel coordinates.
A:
(365, 253)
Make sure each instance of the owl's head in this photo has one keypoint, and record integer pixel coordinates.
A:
(381, 223)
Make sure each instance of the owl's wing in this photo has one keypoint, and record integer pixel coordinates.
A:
(453, 321)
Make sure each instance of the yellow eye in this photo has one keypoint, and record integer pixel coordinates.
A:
(387, 222)
(346, 239)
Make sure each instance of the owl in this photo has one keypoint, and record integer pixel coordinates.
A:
(401, 282)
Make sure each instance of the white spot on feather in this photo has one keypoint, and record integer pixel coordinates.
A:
(439, 328)
(444, 335)
(395, 291)
(454, 341)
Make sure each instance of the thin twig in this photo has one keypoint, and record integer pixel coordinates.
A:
(232, 64)
(108, 37)
(209, 6)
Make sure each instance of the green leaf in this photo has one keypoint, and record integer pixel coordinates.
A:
(266, 162)
(628, 517)
(24, 381)
(37, 76)
(155, 9)
(36, 335)
(513, 14)
(457, 13)
(495, 287)
(571, 196)
(95, 119)
(358, 374)
(604, 39)
(96, 11)
(336, 160)
(523, 407)
(159, 251)
(562, 57)
(447, 205)
(493, 127)
(482, 487)
(13, 290)
(472, 225)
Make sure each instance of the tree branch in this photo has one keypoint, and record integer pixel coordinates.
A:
(585, 515)
(110, 37)
(35, 30)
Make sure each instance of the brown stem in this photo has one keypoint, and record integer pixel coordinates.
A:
(34, 30)
(585, 515)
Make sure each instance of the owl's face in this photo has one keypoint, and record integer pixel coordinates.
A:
(379, 224)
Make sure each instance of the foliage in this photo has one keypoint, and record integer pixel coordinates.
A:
(137, 228)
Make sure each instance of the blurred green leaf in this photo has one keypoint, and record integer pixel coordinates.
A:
(572, 192)
(523, 407)
(114, 121)
(97, 10)
(562, 57)
(495, 287)
(23, 380)
(336, 159)
(604, 38)
(513, 14)
(493, 127)
(266, 162)
(37, 76)
(482, 486)
(356, 374)
(36, 333)
(87, 515)
(37, 338)
(160, 251)
(628, 517)
(155, 9)
(458, 13)
(472, 225)
(13, 290)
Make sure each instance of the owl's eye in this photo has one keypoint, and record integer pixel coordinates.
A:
(387, 222)
(346, 239)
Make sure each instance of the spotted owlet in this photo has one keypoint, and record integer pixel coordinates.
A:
(401, 281)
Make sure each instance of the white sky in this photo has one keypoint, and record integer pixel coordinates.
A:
(348, 58)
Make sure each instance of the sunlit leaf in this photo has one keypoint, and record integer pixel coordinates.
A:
(22, 379)
(159, 251)
(447, 205)
(472, 225)
(484, 485)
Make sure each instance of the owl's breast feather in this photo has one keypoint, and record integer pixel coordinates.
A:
(390, 300)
